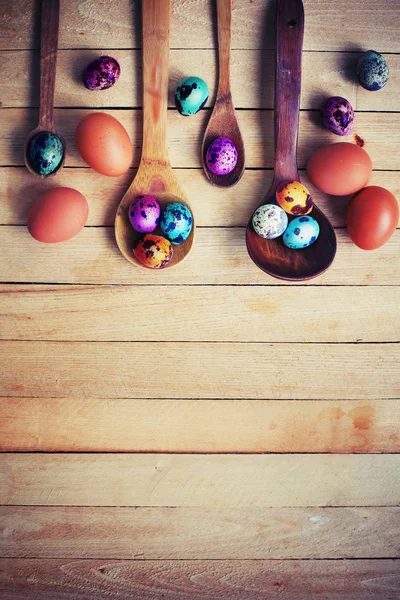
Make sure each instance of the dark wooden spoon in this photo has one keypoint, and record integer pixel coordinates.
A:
(272, 256)
(223, 122)
(48, 60)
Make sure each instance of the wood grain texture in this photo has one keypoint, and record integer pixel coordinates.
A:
(379, 132)
(215, 207)
(322, 73)
(215, 314)
(200, 370)
(68, 425)
(184, 480)
(91, 25)
(219, 257)
(202, 533)
(199, 580)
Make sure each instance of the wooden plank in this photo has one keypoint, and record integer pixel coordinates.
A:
(200, 370)
(194, 480)
(328, 26)
(47, 579)
(219, 257)
(323, 74)
(199, 533)
(217, 207)
(379, 131)
(215, 314)
(94, 425)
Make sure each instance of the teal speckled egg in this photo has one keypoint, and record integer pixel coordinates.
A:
(191, 95)
(301, 232)
(176, 222)
(45, 153)
(372, 71)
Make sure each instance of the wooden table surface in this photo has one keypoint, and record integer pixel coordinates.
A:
(207, 431)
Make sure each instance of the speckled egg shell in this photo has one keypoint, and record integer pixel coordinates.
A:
(45, 153)
(176, 222)
(153, 251)
(222, 156)
(338, 115)
(102, 73)
(144, 213)
(191, 95)
(372, 71)
(301, 233)
(294, 198)
(269, 221)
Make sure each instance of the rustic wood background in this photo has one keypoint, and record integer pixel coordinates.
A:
(205, 432)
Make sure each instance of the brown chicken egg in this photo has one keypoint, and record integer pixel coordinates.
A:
(104, 144)
(339, 169)
(57, 215)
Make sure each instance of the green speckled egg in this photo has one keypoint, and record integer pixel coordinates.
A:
(45, 153)
(191, 95)
(372, 71)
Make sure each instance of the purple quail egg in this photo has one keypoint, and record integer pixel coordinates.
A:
(222, 156)
(144, 213)
(338, 115)
(101, 73)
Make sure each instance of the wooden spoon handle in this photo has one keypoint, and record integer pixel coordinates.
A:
(155, 23)
(224, 21)
(289, 44)
(48, 61)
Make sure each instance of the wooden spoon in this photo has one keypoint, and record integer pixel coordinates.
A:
(223, 122)
(272, 256)
(48, 61)
(155, 175)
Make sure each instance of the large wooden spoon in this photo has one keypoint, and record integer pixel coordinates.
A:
(272, 256)
(155, 175)
(223, 122)
(48, 60)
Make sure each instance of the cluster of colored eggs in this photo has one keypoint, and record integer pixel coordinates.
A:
(373, 74)
(175, 222)
(270, 221)
(190, 97)
(60, 213)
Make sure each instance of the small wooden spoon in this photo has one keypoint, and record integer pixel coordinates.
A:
(48, 60)
(272, 256)
(155, 175)
(223, 122)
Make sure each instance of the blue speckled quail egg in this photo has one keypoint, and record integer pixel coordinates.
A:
(45, 153)
(176, 222)
(301, 233)
(269, 221)
(372, 71)
(191, 95)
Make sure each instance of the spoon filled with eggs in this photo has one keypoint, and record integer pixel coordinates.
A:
(288, 237)
(44, 149)
(223, 147)
(154, 225)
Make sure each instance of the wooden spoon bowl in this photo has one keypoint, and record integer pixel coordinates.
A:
(223, 122)
(272, 256)
(155, 175)
(50, 18)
